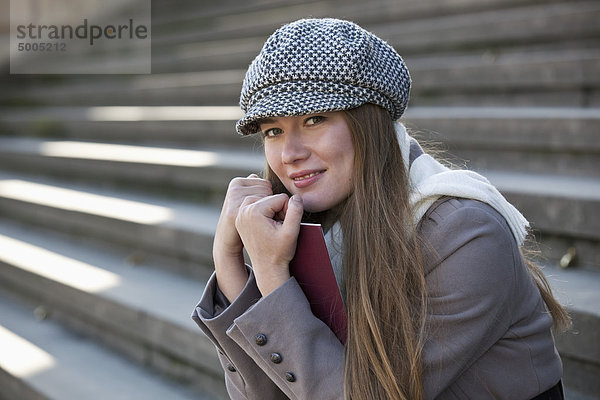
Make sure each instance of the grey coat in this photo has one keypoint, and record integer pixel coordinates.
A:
(488, 330)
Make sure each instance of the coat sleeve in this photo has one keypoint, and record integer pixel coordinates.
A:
(214, 315)
(275, 344)
(300, 354)
(470, 287)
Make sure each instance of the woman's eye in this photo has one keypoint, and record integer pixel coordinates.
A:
(315, 119)
(272, 132)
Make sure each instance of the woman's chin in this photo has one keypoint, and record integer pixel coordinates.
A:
(313, 206)
(315, 203)
(311, 209)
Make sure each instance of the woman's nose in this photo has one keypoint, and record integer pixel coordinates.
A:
(294, 148)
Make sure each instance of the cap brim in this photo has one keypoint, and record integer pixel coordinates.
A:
(287, 104)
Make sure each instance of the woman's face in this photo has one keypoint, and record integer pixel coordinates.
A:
(312, 155)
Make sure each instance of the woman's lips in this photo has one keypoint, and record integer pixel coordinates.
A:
(304, 179)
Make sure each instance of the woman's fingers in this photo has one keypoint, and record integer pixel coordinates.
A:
(251, 180)
(271, 216)
(266, 206)
(246, 186)
(239, 189)
(242, 187)
(251, 199)
(227, 238)
(270, 243)
(277, 207)
(293, 215)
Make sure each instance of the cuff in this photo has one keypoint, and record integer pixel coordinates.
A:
(214, 314)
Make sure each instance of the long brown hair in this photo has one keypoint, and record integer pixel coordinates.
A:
(384, 282)
(385, 289)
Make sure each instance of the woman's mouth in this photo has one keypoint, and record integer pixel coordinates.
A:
(304, 179)
(299, 178)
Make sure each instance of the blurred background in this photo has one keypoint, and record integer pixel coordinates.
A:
(111, 184)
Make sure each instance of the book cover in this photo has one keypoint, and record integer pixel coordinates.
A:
(312, 269)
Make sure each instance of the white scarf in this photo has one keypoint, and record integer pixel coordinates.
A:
(429, 180)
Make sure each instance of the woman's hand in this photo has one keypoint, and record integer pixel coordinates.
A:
(269, 228)
(227, 245)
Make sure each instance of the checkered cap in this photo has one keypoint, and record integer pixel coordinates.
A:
(320, 65)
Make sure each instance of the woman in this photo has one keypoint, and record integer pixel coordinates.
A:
(440, 301)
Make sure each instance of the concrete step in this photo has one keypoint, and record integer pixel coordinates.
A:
(566, 79)
(194, 170)
(149, 227)
(176, 25)
(93, 283)
(110, 61)
(238, 24)
(199, 88)
(577, 395)
(518, 98)
(209, 55)
(209, 127)
(142, 312)
(495, 28)
(561, 210)
(203, 172)
(219, 54)
(533, 139)
(411, 28)
(42, 360)
(167, 18)
(559, 140)
(553, 140)
(528, 71)
(447, 23)
(580, 346)
(584, 191)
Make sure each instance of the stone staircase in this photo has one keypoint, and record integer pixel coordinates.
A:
(110, 186)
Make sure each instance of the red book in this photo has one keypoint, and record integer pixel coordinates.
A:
(312, 269)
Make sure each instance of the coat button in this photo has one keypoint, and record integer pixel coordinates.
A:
(290, 377)
(230, 367)
(260, 339)
(276, 358)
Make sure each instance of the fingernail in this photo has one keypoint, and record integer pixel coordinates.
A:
(297, 198)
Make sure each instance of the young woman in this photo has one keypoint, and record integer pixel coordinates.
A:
(440, 300)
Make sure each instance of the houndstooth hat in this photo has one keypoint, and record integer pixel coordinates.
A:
(320, 65)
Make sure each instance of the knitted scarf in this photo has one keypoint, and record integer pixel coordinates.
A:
(429, 180)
